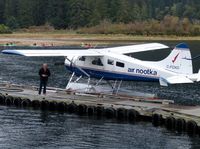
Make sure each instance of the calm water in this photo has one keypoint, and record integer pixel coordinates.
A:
(35, 129)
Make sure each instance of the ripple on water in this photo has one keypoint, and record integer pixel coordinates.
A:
(36, 129)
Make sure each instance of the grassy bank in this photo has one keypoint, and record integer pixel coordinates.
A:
(66, 34)
(72, 38)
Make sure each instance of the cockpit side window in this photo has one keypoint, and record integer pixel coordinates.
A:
(82, 58)
(97, 61)
(110, 62)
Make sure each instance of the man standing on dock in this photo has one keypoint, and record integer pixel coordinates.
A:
(44, 73)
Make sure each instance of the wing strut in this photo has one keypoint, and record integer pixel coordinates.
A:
(72, 63)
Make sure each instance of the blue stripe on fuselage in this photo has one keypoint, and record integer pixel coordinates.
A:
(110, 75)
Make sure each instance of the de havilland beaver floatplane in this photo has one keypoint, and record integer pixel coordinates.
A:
(116, 64)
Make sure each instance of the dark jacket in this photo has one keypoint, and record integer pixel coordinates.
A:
(42, 72)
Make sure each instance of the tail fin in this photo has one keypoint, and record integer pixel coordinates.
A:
(179, 60)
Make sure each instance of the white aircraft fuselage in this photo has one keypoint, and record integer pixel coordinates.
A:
(116, 67)
(121, 67)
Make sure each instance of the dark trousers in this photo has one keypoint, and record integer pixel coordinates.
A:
(43, 83)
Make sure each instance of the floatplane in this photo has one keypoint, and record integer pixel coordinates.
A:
(116, 64)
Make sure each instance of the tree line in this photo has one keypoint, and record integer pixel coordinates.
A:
(73, 14)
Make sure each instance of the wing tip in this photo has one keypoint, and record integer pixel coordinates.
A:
(162, 46)
(11, 52)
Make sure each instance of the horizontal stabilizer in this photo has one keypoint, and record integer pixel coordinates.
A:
(178, 80)
(198, 79)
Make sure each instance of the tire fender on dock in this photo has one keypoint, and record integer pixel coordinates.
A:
(133, 115)
(157, 119)
(121, 113)
(9, 100)
(17, 101)
(192, 128)
(2, 99)
(36, 104)
(180, 125)
(72, 107)
(90, 110)
(99, 111)
(52, 106)
(170, 123)
(110, 112)
(81, 109)
(26, 103)
(44, 105)
(61, 106)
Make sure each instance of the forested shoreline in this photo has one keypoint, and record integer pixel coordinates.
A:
(137, 17)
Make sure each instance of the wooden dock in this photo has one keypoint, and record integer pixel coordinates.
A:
(159, 112)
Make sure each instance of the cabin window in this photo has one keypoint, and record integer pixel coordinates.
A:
(97, 62)
(110, 62)
(119, 64)
(82, 58)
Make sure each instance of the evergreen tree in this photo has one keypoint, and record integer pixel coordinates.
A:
(39, 12)
(2, 9)
(79, 13)
(63, 14)
(123, 13)
(10, 10)
(25, 13)
(57, 13)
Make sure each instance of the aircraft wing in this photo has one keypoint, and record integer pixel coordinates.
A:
(87, 52)
(46, 53)
(135, 48)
